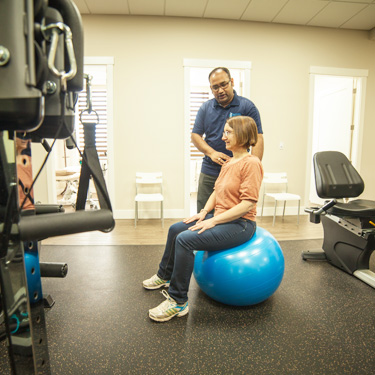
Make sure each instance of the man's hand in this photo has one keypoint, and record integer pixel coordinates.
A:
(219, 157)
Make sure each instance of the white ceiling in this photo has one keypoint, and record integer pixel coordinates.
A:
(343, 14)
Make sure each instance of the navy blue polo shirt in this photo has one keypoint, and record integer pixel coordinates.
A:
(211, 119)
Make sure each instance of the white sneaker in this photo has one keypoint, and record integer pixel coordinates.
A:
(155, 282)
(168, 309)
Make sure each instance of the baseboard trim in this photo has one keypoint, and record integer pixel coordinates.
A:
(148, 214)
(180, 213)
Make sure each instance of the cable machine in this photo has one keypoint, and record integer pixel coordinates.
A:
(41, 74)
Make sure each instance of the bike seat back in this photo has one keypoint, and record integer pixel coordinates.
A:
(335, 176)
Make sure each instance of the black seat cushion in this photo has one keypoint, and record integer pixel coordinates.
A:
(358, 208)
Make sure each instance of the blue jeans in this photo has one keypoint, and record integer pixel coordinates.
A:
(177, 263)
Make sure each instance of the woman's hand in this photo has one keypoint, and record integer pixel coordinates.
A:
(197, 217)
(203, 225)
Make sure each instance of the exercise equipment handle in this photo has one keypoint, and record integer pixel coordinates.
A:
(53, 269)
(325, 207)
(38, 227)
(315, 212)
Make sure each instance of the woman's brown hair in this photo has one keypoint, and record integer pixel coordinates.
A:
(245, 130)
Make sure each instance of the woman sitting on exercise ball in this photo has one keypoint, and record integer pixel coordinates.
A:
(234, 200)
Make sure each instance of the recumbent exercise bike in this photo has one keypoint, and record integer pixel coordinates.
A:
(349, 227)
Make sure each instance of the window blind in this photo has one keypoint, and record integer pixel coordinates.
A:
(99, 104)
(197, 98)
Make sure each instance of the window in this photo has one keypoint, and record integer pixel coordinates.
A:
(101, 70)
(99, 105)
(197, 98)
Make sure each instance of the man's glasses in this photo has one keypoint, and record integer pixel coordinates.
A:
(222, 85)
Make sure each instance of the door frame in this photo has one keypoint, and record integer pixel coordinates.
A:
(203, 63)
(341, 72)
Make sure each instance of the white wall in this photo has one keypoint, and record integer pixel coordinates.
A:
(148, 91)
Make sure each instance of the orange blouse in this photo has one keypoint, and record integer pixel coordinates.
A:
(239, 181)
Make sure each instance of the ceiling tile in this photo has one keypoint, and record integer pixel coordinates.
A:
(364, 20)
(146, 7)
(190, 8)
(107, 7)
(299, 12)
(232, 9)
(336, 13)
(354, 1)
(263, 10)
(350, 14)
(82, 7)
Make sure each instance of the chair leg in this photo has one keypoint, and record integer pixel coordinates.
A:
(136, 214)
(162, 214)
(261, 214)
(274, 214)
(284, 209)
(299, 203)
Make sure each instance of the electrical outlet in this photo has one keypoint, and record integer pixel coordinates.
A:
(281, 146)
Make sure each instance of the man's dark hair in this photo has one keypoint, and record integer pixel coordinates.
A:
(226, 70)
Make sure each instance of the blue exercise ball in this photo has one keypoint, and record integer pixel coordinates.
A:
(243, 275)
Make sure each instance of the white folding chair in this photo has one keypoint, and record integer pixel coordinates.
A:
(149, 181)
(279, 192)
(70, 177)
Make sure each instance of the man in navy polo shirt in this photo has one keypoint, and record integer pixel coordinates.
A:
(210, 122)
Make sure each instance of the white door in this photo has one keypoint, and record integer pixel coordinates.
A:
(335, 119)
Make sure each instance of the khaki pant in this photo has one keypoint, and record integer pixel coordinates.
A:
(206, 186)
